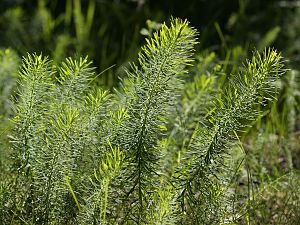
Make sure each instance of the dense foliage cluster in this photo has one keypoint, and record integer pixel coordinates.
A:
(170, 146)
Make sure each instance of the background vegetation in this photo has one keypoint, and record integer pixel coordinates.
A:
(251, 176)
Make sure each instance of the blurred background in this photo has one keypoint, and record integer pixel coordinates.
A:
(111, 31)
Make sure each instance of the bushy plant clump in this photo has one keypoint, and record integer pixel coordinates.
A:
(162, 149)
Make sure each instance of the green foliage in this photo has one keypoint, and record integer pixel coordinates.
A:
(9, 65)
(165, 148)
(274, 203)
(148, 103)
(53, 129)
(213, 136)
(73, 27)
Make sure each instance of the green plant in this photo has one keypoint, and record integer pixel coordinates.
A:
(9, 65)
(162, 149)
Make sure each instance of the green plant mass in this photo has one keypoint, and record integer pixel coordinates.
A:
(179, 141)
